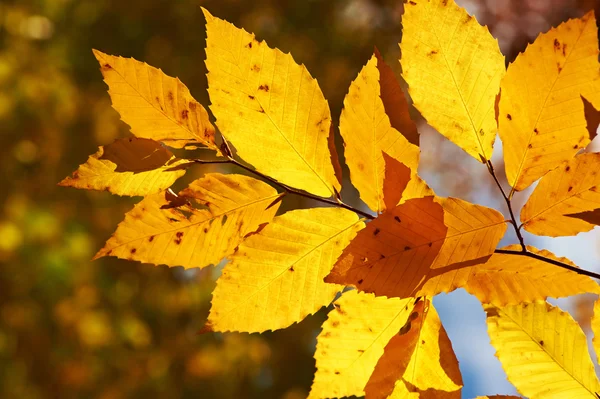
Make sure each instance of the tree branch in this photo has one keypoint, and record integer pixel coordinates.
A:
(509, 205)
(548, 260)
(287, 189)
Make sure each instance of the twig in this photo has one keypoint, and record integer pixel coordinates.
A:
(549, 260)
(287, 189)
(513, 220)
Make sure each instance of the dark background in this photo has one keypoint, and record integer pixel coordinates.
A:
(115, 329)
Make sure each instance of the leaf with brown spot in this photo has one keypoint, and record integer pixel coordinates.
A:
(453, 67)
(422, 357)
(181, 240)
(284, 130)
(351, 343)
(287, 260)
(571, 188)
(368, 133)
(132, 166)
(416, 238)
(539, 96)
(155, 105)
(543, 351)
(510, 279)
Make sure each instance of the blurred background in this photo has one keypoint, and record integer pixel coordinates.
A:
(72, 328)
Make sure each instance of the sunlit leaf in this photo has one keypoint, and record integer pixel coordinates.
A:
(352, 341)
(368, 133)
(270, 108)
(155, 106)
(275, 278)
(421, 356)
(160, 232)
(542, 350)
(131, 166)
(572, 188)
(541, 118)
(453, 67)
(397, 252)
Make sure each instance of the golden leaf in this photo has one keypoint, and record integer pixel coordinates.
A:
(541, 118)
(352, 341)
(498, 397)
(130, 166)
(453, 67)
(543, 351)
(397, 252)
(420, 355)
(275, 278)
(159, 231)
(270, 108)
(155, 105)
(592, 118)
(511, 279)
(595, 324)
(368, 133)
(573, 187)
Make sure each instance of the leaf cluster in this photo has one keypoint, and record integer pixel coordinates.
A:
(383, 339)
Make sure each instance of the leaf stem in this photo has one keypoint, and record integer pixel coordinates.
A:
(548, 260)
(231, 160)
(513, 220)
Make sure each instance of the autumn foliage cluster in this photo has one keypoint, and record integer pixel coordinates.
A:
(383, 337)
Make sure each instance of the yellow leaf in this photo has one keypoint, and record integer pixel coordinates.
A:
(270, 108)
(368, 132)
(453, 67)
(573, 187)
(397, 178)
(394, 102)
(592, 118)
(510, 279)
(275, 278)
(352, 341)
(397, 252)
(595, 324)
(131, 166)
(155, 106)
(498, 397)
(542, 350)
(405, 390)
(420, 355)
(541, 119)
(158, 231)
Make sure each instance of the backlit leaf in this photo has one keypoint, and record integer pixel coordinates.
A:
(453, 67)
(275, 278)
(368, 133)
(155, 232)
(595, 324)
(352, 341)
(573, 187)
(270, 108)
(541, 118)
(155, 106)
(130, 166)
(511, 279)
(397, 252)
(542, 350)
(421, 356)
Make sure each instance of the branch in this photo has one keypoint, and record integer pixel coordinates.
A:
(513, 220)
(287, 189)
(548, 260)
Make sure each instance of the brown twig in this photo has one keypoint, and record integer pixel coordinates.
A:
(513, 220)
(287, 189)
(548, 260)
(524, 251)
